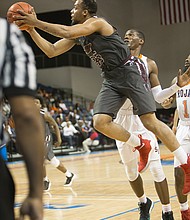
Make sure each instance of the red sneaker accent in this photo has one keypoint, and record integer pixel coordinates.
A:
(144, 152)
(186, 169)
(185, 215)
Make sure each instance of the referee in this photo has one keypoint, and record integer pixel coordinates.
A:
(18, 84)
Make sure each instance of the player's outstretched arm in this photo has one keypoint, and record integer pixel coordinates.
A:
(51, 50)
(90, 26)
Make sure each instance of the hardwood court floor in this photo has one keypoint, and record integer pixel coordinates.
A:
(99, 192)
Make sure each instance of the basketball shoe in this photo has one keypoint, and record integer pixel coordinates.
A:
(185, 215)
(167, 216)
(144, 152)
(69, 180)
(186, 169)
(47, 185)
(145, 209)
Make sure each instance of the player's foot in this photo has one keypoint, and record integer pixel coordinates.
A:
(144, 152)
(167, 216)
(69, 180)
(47, 185)
(185, 215)
(145, 209)
(186, 169)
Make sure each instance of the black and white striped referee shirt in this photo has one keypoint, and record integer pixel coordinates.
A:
(17, 63)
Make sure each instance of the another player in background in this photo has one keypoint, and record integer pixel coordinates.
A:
(18, 84)
(124, 77)
(182, 131)
(49, 154)
(135, 40)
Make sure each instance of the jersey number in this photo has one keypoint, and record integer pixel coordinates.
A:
(186, 114)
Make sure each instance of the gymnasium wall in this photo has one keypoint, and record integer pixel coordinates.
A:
(167, 45)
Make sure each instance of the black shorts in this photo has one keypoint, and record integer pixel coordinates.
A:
(121, 83)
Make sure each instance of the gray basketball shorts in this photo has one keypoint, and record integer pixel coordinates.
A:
(49, 154)
(122, 83)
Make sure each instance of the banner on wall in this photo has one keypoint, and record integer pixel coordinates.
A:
(174, 11)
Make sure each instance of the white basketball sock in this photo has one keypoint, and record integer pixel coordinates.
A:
(181, 155)
(143, 199)
(166, 208)
(68, 174)
(184, 206)
(46, 178)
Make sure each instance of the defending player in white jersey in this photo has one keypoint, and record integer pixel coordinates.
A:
(135, 40)
(181, 127)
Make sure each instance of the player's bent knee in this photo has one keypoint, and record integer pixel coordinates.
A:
(100, 121)
(55, 162)
(157, 171)
(131, 170)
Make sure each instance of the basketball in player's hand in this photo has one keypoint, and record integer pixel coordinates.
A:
(23, 6)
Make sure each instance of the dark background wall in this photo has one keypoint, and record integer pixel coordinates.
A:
(167, 45)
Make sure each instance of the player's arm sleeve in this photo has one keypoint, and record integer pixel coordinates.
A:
(161, 95)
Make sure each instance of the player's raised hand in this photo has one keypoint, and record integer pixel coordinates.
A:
(183, 78)
(167, 103)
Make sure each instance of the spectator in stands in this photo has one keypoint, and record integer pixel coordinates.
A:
(5, 115)
(69, 132)
(3, 148)
(73, 115)
(93, 140)
(59, 121)
(59, 113)
(83, 133)
(63, 106)
(91, 107)
(54, 108)
(77, 106)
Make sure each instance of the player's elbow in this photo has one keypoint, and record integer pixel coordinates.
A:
(51, 52)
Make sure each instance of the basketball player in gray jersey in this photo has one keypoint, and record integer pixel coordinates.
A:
(124, 77)
(49, 154)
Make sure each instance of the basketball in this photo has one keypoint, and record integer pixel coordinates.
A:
(13, 11)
